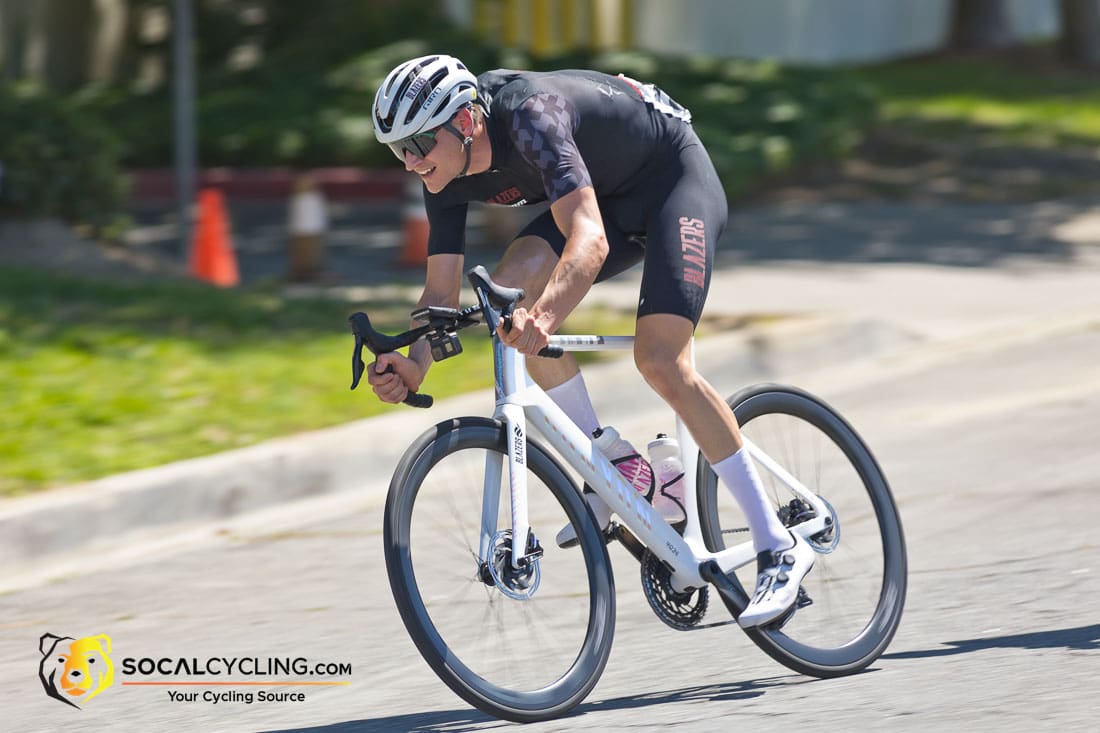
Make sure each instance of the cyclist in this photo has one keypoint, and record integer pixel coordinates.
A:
(627, 180)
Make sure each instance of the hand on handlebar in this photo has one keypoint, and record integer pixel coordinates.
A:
(392, 376)
(528, 334)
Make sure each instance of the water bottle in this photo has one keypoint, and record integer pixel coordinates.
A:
(668, 500)
(622, 455)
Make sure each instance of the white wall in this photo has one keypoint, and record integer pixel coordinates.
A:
(803, 31)
(815, 31)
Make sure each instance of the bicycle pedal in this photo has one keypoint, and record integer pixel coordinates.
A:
(780, 622)
(800, 602)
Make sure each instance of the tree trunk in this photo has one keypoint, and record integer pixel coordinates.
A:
(1079, 42)
(978, 25)
(108, 43)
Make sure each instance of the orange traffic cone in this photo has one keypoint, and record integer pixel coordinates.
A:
(414, 229)
(212, 257)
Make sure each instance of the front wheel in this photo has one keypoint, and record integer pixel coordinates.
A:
(852, 600)
(523, 645)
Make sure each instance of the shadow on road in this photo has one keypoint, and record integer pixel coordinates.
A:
(365, 240)
(461, 721)
(952, 236)
(1082, 638)
(443, 721)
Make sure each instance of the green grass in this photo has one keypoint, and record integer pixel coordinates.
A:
(99, 378)
(991, 101)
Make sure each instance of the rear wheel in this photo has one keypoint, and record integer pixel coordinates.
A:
(856, 590)
(525, 644)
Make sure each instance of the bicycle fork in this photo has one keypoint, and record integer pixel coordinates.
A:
(524, 550)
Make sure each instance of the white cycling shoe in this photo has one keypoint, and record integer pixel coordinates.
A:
(567, 537)
(780, 574)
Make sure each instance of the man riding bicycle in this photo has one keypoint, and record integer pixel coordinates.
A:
(627, 180)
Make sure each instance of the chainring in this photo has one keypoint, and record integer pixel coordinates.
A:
(681, 611)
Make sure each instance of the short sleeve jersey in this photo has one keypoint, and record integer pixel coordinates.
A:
(555, 132)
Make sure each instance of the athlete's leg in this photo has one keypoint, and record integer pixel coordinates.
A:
(683, 229)
(527, 264)
(662, 351)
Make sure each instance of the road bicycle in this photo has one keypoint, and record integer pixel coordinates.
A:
(522, 629)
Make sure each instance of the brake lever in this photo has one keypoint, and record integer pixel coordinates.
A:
(360, 323)
(357, 365)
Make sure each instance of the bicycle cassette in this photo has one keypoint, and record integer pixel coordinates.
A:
(681, 611)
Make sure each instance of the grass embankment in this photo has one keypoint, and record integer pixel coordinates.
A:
(102, 377)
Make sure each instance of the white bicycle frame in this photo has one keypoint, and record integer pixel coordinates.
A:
(521, 404)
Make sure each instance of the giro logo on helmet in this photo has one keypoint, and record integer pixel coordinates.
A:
(431, 99)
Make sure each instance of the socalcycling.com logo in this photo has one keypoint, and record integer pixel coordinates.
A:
(75, 671)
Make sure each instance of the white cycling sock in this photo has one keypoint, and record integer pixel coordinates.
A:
(739, 475)
(572, 397)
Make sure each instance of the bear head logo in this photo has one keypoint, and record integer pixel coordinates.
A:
(75, 670)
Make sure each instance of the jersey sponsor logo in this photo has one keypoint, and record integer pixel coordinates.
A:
(693, 249)
(608, 90)
(509, 197)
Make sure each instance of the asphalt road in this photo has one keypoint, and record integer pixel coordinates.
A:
(990, 446)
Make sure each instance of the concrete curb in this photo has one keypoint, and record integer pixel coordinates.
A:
(356, 457)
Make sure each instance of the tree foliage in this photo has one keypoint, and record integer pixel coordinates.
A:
(58, 162)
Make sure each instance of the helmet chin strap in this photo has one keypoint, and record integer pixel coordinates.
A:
(467, 142)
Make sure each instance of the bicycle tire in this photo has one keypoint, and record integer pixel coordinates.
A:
(847, 636)
(461, 653)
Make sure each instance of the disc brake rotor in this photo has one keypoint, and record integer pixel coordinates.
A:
(518, 584)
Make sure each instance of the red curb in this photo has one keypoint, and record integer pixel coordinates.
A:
(346, 184)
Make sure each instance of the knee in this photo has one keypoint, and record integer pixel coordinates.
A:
(664, 371)
(527, 264)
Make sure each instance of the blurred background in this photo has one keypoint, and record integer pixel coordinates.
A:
(116, 114)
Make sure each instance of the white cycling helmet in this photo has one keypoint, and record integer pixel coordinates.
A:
(420, 95)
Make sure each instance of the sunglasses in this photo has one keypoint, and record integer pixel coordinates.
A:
(419, 145)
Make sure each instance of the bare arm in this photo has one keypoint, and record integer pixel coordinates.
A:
(442, 284)
(578, 217)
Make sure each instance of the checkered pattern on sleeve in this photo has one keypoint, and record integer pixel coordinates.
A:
(542, 130)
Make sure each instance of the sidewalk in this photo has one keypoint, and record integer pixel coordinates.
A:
(847, 282)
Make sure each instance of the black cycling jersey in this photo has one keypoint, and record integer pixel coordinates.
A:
(552, 133)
